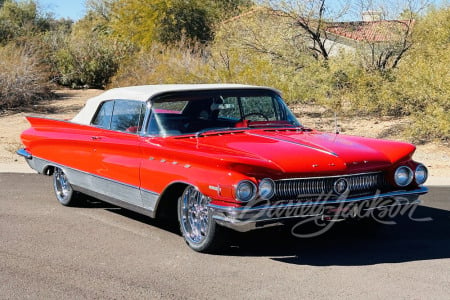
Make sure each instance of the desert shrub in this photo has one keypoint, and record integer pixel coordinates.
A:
(163, 64)
(373, 93)
(87, 56)
(193, 63)
(424, 78)
(23, 79)
(84, 63)
(431, 124)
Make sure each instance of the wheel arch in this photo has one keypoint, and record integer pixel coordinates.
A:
(48, 170)
(166, 207)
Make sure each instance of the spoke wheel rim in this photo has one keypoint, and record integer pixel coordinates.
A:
(194, 215)
(62, 185)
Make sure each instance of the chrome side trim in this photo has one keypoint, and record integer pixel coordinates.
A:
(24, 153)
(149, 200)
(109, 190)
(117, 202)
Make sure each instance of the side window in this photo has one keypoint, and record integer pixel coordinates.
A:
(127, 115)
(103, 117)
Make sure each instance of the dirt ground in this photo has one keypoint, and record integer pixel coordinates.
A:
(435, 156)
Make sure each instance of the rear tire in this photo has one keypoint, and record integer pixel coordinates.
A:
(197, 226)
(63, 190)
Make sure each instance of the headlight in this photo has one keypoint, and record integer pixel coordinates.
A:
(403, 176)
(421, 174)
(245, 191)
(266, 188)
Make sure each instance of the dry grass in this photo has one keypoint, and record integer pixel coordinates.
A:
(23, 80)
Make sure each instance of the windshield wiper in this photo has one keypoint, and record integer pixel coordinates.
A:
(270, 124)
(208, 130)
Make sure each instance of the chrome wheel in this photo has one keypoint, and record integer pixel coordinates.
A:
(194, 216)
(63, 189)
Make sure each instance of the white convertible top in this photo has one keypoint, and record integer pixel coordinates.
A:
(144, 93)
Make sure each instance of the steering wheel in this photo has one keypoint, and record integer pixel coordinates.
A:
(255, 114)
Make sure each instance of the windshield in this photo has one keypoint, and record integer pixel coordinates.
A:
(197, 112)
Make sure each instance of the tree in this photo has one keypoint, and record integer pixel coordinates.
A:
(169, 21)
(138, 20)
(311, 18)
(185, 19)
(21, 18)
(311, 24)
(102, 8)
(262, 31)
(395, 23)
(195, 19)
(222, 10)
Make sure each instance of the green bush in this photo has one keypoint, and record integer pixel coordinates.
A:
(84, 63)
(424, 78)
(20, 19)
(431, 124)
(86, 55)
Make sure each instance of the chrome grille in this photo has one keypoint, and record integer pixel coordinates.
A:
(358, 184)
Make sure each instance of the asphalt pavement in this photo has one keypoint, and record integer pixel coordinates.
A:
(48, 251)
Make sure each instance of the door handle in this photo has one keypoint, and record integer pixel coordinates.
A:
(96, 138)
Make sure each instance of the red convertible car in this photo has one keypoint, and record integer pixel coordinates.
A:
(216, 156)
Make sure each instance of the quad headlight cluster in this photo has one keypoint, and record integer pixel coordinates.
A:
(421, 174)
(404, 175)
(266, 188)
(247, 190)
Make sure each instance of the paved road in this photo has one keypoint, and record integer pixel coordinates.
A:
(48, 251)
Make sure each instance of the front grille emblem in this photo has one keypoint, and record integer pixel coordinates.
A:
(340, 186)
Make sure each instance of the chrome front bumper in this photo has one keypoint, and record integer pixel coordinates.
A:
(252, 217)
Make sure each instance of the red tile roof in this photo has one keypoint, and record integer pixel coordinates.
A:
(372, 31)
(368, 31)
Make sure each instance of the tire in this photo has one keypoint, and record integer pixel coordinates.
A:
(197, 226)
(63, 190)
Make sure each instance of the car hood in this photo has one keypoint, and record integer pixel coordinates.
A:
(299, 153)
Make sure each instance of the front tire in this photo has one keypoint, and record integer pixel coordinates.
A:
(63, 190)
(197, 226)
